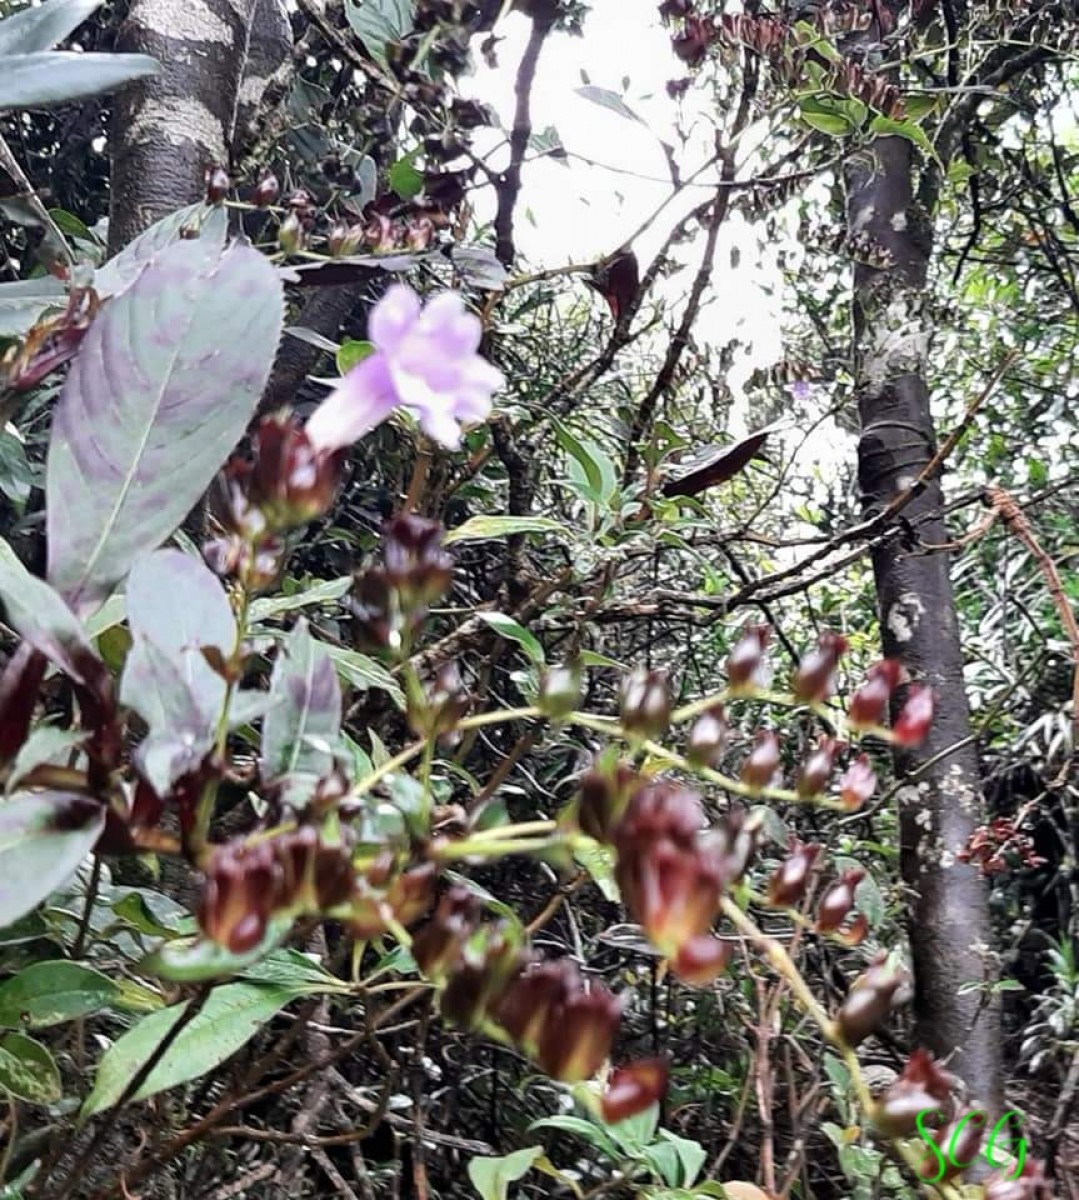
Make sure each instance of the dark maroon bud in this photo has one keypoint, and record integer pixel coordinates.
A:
(604, 796)
(411, 894)
(915, 717)
(438, 945)
(700, 959)
(633, 1088)
(217, 185)
(857, 784)
(379, 233)
(240, 895)
(417, 567)
(290, 236)
(671, 10)
(957, 1145)
(577, 1036)
(290, 482)
(815, 677)
(707, 737)
(646, 703)
(677, 88)
(266, 190)
(836, 903)
(745, 661)
(762, 763)
(923, 1085)
(868, 1004)
(534, 994)
(419, 233)
(691, 45)
(818, 768)
(560, 690)
(299, 202)
(343, 239)
(19, 685)
(869, 704)
(788, 884)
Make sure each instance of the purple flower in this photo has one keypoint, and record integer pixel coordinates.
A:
(425, 360)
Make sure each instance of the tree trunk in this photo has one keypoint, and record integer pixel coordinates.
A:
(941, 805)
(169, 128)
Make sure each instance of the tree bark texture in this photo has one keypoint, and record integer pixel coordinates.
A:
(215, 55)
(941, 804)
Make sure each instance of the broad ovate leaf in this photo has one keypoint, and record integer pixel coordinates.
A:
(44, 836)
(491, 1177)
(178, 603)
(165, 382)
(301, 730)
(209, 221)
(49, 993)
(27, 1070)
(229, 1018)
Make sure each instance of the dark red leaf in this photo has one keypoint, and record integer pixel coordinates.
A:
(717, 464)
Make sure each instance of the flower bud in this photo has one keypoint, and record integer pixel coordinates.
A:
(411, 893)
(745, 661)
(857, 784)
(869, 704)
(379, 233)
(240, 895)
(289, 481)
(343, 239)
(922, 1085)
(867, 1005)
(633, 1088)
(438, 946)
(445, 703)
(577, 1044)
(815, 677)
(817, 770)
(419, 233)
(700, 959)
(525, 1008)
(217, 185)
(266, 190)
(560, 690)
(417, 568)
(290, 235)
(1030, 1184)
(788, 884)
(957, 1144)
(915, 717)
(604, 796)
(762, 763)
(707, 737)
(475, 988)
(838, 900)
(646, 703)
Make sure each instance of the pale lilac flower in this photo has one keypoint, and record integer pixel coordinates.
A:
(425, 360)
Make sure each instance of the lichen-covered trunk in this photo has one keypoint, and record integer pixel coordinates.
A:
(215, 55)
(940, 803)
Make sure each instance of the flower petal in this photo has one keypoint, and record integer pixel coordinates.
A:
(393, 317)
(363, 399)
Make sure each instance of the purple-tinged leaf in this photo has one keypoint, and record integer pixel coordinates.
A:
(300, 732)
(164, 385)
(43, 838)
(180, 732)
(42, 619)
(211, 221)
(178, 603)
(19, 686)
(717, 464)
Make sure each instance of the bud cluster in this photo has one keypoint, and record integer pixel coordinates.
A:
(390, 601)
(999, 846)
(285, 482)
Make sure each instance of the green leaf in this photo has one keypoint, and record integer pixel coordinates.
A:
(31, 30)
(507, 627)
(143, 423)
(405, 180)
(294, 969)
(887, 127)
(664, 1161)
(350, 352)
(49, 993)
(24, 302)
(363, 673)
(492, 1176)
(71, 225)
(43, 838)
(27, 1070)
(197, 959)
(605, 98)
(230, 1017)
(918, 106)
(56, 77)
(691, 1156)
(636, 1132)
(324, 592)
(594, 1135)
(831, 115)
(598, 861)
(377, 22)
(303, 726)
(480, 529)
(16, 474)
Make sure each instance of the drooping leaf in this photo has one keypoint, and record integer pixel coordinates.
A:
(27, 1070)
(361, 672)
(377, 22)
(324, 592)
(229, 1018)
(43, 838)
(49, 993)
(33, 29)
(178, 603)
(210, 220)
(46, 744)
(20, 681)
(605, 98)
(165, 383)
(589, 1131)
(491, 1177)
(41, 617)
(301, 730)
(507, 627)
(717, 464)
(58, 76)
(23, 302)
(481, 529)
